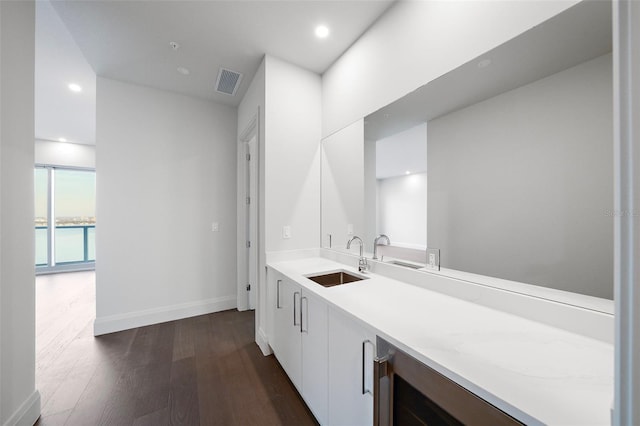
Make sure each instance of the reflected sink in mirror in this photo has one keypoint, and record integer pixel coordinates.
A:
(405, 264)
(335, 278)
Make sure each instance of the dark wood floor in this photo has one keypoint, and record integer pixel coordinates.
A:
(205, 370)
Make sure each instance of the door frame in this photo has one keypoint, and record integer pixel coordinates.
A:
(247, 300)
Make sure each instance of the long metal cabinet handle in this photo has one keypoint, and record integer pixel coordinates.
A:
(379, 371)
(294, 308)
(306, 314)
(278, 294)
(364, 365)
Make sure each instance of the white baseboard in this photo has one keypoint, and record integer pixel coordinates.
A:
(263, 342)
(27, 414)
(119, 322)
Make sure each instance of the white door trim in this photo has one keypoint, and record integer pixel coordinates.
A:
(250, 131)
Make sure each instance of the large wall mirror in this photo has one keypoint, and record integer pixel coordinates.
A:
(504, 164)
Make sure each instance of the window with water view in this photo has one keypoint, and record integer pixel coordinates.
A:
(64, 216)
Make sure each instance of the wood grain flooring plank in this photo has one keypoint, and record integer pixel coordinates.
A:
(120, 406)
(69, 392)
(153, 387)
(213, 400)
(244, 379)
(58, 419)
(275, 389)
(96, 396)
(157, 418)
(65, 303)
(183, 346)
(183, 397)
(70, 363)
(205, 370)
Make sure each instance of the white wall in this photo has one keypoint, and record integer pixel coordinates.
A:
(166, 171)
(416, 42)
(521, 185)
(65, 154)
(19, 399)
(292, 155)
(289, 99)
(402, 209)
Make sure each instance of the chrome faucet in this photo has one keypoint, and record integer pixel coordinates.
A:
(363, 266)
(375, 244)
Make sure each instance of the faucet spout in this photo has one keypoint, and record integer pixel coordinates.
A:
(363, 266)
(358, 240)
(377, 242)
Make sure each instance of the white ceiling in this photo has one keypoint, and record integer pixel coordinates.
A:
(402, 152)
(129, 41)
(60, 113)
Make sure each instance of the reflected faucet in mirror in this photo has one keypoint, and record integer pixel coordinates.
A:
(377, 242)
(363, 266)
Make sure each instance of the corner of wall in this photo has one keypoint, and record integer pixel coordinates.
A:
(120, 322)
(28, 412)
(20, 401)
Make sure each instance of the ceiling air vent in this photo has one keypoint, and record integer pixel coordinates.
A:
(228, 81)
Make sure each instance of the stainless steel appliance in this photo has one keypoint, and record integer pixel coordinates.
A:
(407, 392)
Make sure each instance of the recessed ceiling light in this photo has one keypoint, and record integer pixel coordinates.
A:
(322, 31)
(484, 63)
(183, 70)
(62, 140)
(75, 87)
(407, 172)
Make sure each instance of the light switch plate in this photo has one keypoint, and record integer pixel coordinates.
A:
(433, 259)
(286, 232)
(350, 229)
(215, 227)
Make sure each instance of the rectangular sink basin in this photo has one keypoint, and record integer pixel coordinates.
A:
(331, 279)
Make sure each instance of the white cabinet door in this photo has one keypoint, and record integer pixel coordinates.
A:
(351, 346)
(315, 355)
(273, 280)
(298, 322)
(286, 334)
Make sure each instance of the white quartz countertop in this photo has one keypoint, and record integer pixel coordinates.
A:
(536, 373)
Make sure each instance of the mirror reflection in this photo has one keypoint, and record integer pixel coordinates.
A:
(401, 186)
(504, 164)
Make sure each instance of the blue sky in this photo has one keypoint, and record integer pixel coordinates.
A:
(75, 192)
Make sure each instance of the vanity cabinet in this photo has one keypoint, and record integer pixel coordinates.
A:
(351, 353)
(315, 363)
(298, 337)
(284, 338)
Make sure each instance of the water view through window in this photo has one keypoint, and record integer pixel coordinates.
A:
(70, 195)
(42, 216)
